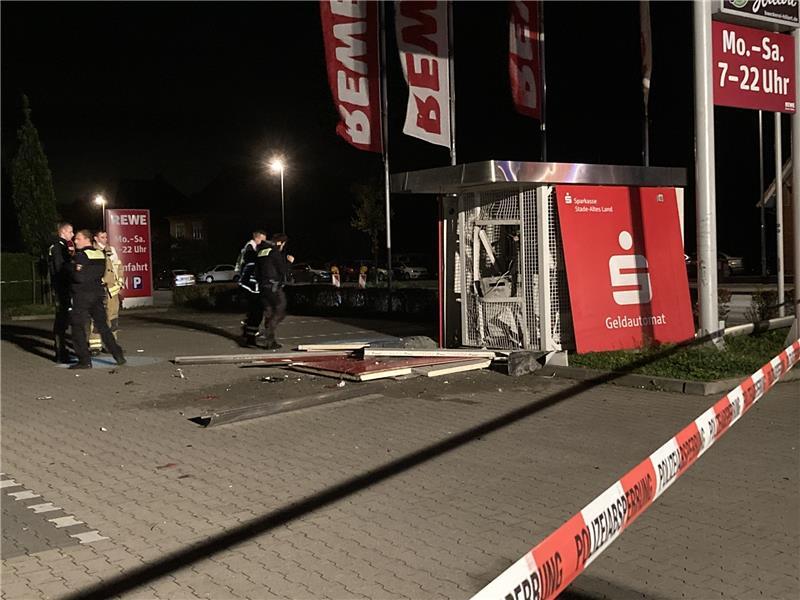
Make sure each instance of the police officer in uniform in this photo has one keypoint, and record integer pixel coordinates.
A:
(272, 269)
(88, 301)
(59, 259)
(246, 265)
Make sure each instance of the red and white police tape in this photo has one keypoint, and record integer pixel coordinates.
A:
(547, 569)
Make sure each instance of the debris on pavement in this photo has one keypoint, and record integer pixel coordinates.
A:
(269, 379)
(44, 398)
(167, 466)
(341, 384)
(103, 429)
(179, 373)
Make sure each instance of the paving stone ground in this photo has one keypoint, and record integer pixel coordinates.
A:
(299, 505)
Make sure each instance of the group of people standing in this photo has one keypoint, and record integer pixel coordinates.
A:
(86, 275)
(263, 271)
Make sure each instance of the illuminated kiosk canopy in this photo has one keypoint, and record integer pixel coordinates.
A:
(503, 283)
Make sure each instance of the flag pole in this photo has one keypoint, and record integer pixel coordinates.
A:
(645, 34)
(451, 73)
(385, 146)
(543, 121)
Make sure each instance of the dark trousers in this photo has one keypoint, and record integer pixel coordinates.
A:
(255, 312)
(60, 325)
(92, 308)
(274, 306)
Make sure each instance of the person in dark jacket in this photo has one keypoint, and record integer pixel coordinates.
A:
(246, 266)
(272, 270)
(59, 259)
(88, 301)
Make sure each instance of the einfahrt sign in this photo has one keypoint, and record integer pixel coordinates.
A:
(625, 267)
(753, 68)
(129, 233)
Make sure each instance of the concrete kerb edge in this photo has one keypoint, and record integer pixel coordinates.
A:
(653, 382)
(127, 311)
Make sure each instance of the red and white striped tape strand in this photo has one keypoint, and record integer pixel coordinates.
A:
(546, 570)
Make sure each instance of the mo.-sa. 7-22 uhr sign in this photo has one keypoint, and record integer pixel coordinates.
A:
(753, 68)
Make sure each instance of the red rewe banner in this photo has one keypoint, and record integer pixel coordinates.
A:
(129, 234)
(422, 38)
(625, 267)
(753, 68)
(524, 66)
(350, 32)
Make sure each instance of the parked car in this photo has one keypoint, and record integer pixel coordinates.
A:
(727, 264)
(219, 273)
(305, 273)
(168, 278)
(410, 271)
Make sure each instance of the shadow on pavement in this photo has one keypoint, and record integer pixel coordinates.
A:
(30, 339)
(189, 324)
(202, 550)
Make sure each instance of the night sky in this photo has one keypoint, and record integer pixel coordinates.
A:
(193, 90)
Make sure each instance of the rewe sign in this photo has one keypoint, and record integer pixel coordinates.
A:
(129, 233)
(625, 268)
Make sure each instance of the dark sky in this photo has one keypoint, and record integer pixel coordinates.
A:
(187, 90)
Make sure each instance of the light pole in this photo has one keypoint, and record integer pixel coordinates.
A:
(277, 165)
(101, 201)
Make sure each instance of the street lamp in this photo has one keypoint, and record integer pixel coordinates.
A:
(277, 165)
(100, 200)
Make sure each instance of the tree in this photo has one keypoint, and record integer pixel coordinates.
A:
(32, 188)
(370, 216)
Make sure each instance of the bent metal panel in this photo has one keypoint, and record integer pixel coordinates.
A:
(129, 233)
(625, 268)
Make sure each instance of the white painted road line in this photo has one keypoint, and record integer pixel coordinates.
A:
(8, 483)
(24, 495)
(65, 521)
(42, 508)
(89, 537)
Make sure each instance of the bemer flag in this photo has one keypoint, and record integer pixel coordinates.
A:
(350, 32)
(524, 65)
(422, 38)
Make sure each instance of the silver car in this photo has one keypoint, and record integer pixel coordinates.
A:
(219, 273)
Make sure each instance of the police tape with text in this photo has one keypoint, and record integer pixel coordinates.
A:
(547, 569)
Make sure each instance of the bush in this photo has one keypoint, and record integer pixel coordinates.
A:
(764, 305)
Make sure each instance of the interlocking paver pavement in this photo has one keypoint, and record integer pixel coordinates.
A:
(115, 449)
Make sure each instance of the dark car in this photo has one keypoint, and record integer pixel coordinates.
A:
(306, 273)
(727, 264)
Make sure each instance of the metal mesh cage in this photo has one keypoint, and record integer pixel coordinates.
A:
(506, 279)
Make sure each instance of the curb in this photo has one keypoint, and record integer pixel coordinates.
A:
(654, 382)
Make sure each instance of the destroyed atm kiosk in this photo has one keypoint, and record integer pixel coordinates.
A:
(502, 276)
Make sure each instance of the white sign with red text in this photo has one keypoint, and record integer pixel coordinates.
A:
(129, 234)
(422, 38)
(350, 33)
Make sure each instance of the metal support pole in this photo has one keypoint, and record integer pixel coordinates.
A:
(705, 170)
(283, 216)
(452, 76)
(779, 212)
(796, 195)
(385, 140)
(761, 194)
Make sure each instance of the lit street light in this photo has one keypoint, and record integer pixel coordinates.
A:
(277, 165)
(100, 200)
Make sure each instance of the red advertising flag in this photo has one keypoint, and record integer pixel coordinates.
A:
(524, 66)
(625, 267)
(422, 38)
(350, 31)
(753, 68)
(129, 234)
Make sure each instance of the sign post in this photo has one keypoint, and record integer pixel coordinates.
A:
(129, 233)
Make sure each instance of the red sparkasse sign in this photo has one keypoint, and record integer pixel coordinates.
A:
(129, 233)
(753, 68)
(625, 266)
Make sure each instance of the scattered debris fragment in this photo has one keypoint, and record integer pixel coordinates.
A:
(140, 350)
(269, 379)
(44, 398)
(341, 384)
(179, 373)
(167, 466)
(103, 429)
